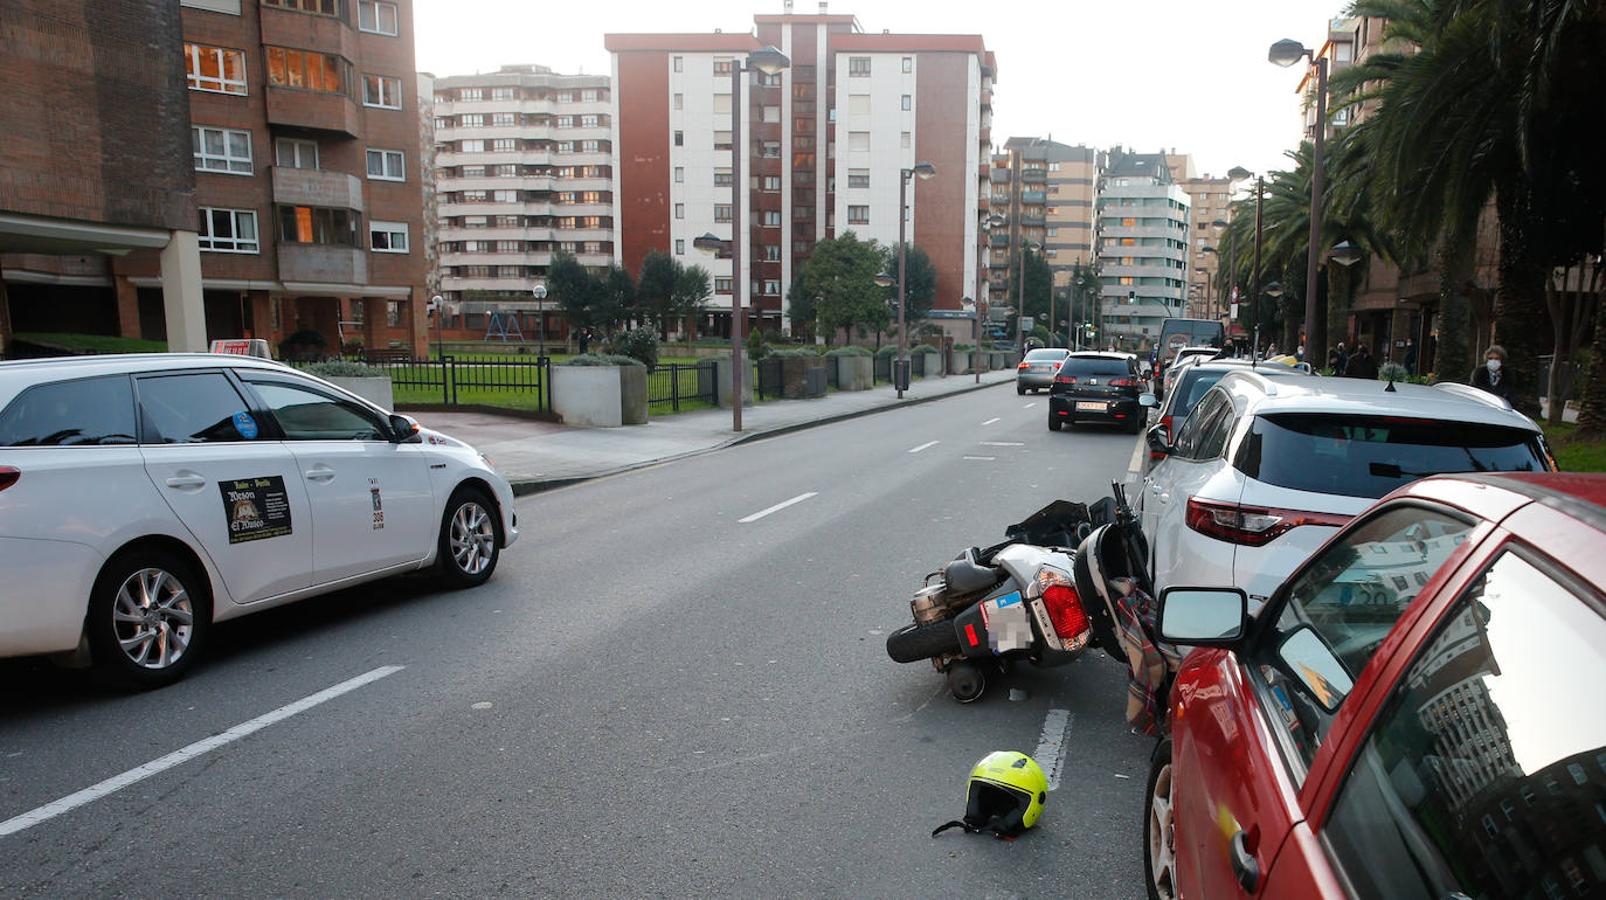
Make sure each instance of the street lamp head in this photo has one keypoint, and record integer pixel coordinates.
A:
(1346, 254)
(924, 170)
(1238, 173)
(708, 242)
(1208, 250)
(885, 280)
(1273, 290)
(1032, 246)
(997, 221)
(1220, 223)
(1286, 52)
(539, 291)
(768, 60)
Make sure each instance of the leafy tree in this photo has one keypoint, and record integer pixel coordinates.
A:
(800, 307)
(693, 287)
(655, 287)
(1039, 286)
(616, 296)
(575, 289)
(922, 290)
(839, 282)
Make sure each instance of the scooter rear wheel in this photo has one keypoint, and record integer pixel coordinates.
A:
(912, 643)
(966, 681)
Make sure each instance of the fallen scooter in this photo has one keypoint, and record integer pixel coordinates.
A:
(1016, 600)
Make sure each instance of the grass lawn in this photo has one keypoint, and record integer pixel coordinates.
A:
(89, 343)
(1574, 454)
(522, 396)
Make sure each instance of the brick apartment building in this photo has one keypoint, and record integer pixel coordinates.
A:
(304, 185)
(524, 168)
(823, 147)
(1047, 192)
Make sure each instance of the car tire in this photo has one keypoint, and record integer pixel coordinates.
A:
(1138, 423)
(1159, 830)
(1020, 389)
(470, 541)
(139, 606)
(1054, 422)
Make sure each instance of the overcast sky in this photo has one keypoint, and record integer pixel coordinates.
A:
(1147, 74)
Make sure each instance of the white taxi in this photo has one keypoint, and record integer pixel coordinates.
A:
(145, 497)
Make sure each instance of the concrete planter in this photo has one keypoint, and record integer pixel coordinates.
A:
(933, 364)
(978, 361)
(958, 362)
(722, 382)
(600, 396)
(375, 390)
(854, 373)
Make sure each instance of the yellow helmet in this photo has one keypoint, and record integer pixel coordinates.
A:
(1005, 795)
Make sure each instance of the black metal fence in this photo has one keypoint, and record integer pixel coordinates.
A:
(769, 382)
(883, 367)
(674, 386)
(524, 384)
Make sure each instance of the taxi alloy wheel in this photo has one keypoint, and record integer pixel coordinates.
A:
(153, 618)
(148, 619)
(1159, 830)
(470, 539)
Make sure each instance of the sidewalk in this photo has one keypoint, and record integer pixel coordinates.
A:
(537, 456)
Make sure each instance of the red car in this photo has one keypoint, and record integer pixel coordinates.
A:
(1418, 712)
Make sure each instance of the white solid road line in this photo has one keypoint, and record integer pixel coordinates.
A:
(184, 754)
(981, 458)
(1051, 747)
(926, 446)
(991, 421)
(1030, 405)
(778, 507)
(1002, 444)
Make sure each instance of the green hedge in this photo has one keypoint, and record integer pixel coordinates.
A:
(848, 351)
(794, 353)
(888, 350)
(88, 343)
(342, 369)
(602, 359)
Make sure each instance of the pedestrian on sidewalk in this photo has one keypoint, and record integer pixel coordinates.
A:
(585, 340)
(1338, 360)
(1488, 376)
(1409, 359)
(1362, 365)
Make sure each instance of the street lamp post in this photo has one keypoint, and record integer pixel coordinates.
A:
(1020, 294)
(900, 375)
(539, 292)
(1286, 53)
(437, 303)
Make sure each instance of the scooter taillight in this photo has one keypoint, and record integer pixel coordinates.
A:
(1065, 611)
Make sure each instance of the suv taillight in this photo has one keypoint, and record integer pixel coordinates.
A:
(1064, 379)
(1123, 382)
(9, 476)
(1252, 526)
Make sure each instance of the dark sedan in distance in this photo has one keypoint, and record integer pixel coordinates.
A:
(1097, 387)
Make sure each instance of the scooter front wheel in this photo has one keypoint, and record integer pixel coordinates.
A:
(912, 643)
(966, 681)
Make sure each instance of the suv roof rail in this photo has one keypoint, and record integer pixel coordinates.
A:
(1477, 395)
(1267, 386)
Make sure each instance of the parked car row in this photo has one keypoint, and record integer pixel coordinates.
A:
(145, 497)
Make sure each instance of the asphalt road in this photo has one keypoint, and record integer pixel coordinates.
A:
(651, 698)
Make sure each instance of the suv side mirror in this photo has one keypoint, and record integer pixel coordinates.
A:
(404, 429)
(1148, 400)
(1202, 617)
(1160, 440)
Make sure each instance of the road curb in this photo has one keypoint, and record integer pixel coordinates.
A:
(527, 486)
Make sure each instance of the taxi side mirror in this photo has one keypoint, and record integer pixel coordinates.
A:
(404, 430)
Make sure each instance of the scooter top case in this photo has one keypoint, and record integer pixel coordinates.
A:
(1100, 558)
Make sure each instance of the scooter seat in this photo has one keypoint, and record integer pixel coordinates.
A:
(966, 576)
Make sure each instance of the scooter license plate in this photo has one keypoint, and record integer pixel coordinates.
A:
(1009, 625)
(1091, 406)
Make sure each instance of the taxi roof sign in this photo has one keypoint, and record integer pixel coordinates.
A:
(243, 347)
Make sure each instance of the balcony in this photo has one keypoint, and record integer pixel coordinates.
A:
(313, 109)
(1039, 175)
(1037, 197)
(998, 240)
(316, 187)
(307, 31)
(322, 264)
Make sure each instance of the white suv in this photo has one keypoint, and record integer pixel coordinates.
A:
(1265, 469)
(143, 498)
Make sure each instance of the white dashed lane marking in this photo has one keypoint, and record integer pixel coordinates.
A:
(778, 507)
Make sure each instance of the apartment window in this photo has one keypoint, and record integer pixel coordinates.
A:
(680, 174)
(305, 70)
(228, 230)
(221, 149)
(471, 120)
(509, 247)
(318, 225)
(723, 65)
(680, 64)
(767, 80)
(771, 183)
(905, 140)
(772, 286)
(563, 122)
(387, 237)
(214, 69)
(565, 96)
(387, 165)
(908, 64)
(378, 17)
(506, 171)
(772, 218)
(772, 252)
(680, 101)
(381, 91)
(504, 145)
(859, 66)
(722, 212)
(470, 94)
(771, 114)
(680, 247)
(908, 102)
(504, 196)
(393, 313)
(859, 104)
(474, 196)
(294, 153)
(591, 121)
(858, 140)
(324, 7)
(680, 139)
(858, 178)
(504, 93)
(858, 215)
(504, 120)
(589, 95)
(722, 140)
(563, 147)
(722, 104)
(722, 178)
(472, 145)
(770, 150)
(722, 285)
(590, 146)
(680, 210)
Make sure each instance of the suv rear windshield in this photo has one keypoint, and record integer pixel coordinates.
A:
(1368, 456)
(1094, 366)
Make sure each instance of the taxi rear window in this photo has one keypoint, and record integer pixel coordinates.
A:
(77, 413)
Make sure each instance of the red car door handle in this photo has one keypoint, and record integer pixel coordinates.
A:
(1244, 866)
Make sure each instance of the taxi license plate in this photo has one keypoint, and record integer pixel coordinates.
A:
(1091, 406)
